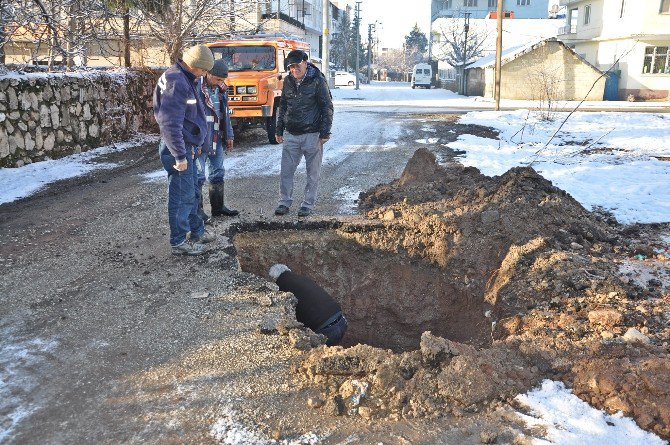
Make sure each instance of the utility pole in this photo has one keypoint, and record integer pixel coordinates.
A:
(325, 44)
(498, 69)
(357, 20)
(464, 81)
(371, 27)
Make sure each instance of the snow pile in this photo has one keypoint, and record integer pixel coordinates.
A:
(568, 420)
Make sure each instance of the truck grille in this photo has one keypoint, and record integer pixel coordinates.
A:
(231, 91)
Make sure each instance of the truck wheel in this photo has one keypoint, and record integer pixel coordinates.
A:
(271, 126)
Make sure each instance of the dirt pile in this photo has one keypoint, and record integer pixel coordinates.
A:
(441, 377)
(510, 264)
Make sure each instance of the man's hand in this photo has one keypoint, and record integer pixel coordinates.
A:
(181, 165)
(229, 145)
(280, 138)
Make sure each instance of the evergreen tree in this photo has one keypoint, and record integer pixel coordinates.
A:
(416, 39)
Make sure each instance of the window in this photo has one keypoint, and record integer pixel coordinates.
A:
(656, 60)
(469, 2)
(446, 4)
(665, 7)
(493, 3)
(587, 14)
(523, 2)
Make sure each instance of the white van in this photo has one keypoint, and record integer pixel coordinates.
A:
(422, 73)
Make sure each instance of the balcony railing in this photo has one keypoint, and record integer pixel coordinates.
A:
(570, 29)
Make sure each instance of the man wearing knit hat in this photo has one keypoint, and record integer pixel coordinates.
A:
(316, 309)
(180, 113)
(220, 133)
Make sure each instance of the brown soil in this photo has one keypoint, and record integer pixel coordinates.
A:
(512, 277)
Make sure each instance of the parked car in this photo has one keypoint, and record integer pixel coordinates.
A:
(343, 78)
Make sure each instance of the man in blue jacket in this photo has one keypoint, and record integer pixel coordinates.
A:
(220, 132)
(180, 113)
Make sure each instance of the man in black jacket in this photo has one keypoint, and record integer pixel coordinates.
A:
(316, 309)
(306, 113)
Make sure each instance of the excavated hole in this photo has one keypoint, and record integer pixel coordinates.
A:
(388, 298)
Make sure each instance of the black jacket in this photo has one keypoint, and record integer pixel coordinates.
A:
(315, 305)
(307, 108)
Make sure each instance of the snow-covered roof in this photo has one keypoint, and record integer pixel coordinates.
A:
(510, 54)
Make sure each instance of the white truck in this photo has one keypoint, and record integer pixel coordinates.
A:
(422, 73)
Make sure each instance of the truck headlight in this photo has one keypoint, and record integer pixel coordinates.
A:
(251, 90)
(241, 90)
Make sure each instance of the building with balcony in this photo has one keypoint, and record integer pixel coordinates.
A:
(481, 9)
(629, 38)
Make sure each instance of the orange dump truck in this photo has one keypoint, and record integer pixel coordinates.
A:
(255, 72)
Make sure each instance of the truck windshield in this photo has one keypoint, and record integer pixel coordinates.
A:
(247, 58)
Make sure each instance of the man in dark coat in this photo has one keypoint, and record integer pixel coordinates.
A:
(219, 135)
(304, 120)
(316, 309)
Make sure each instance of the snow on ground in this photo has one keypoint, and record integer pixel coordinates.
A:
(398, 96)
(568, 420)
(16, 183)
(603, 159)
(18, 357)
(230, 430)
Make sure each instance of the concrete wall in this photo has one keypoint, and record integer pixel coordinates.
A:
(548, 72)
(47, 116)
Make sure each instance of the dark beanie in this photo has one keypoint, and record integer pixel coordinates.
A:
(220, 69)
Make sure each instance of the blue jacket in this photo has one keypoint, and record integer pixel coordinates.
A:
(179, 111)
(221, 132)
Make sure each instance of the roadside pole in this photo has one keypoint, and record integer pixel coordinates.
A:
(358, 40)
(498, 68)
(325, 43)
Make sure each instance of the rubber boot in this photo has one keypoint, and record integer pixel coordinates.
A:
(216, 199)
(201, 211)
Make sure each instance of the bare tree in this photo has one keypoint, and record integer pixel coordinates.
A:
(178, 23)
(458, 47)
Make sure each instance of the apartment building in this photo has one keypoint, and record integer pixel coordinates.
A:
(629, 37)
(481, 9)
(299, 18)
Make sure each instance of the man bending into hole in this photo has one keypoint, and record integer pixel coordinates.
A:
(316, 309)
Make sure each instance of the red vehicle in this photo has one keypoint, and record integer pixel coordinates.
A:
(255, 73)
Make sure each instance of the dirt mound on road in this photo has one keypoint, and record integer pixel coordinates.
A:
(513, 277)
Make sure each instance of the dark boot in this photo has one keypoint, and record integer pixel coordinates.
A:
(216, 199)
(201, 211)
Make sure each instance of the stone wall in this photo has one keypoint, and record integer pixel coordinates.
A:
(48, 116)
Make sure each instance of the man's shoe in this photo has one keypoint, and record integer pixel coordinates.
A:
(281, 210)
(205, 238)
(225, 211)
(304, 211)
(206, 219)
(188, 248)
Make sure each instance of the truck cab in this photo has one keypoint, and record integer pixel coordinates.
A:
(255, 78)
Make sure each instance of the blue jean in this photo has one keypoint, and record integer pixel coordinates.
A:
(182, 203)
(334, 332)
(214, 163)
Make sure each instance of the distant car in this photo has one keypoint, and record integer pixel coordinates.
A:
(344, 79)
(421, 75)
